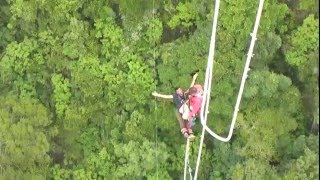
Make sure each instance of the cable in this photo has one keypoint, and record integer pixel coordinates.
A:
(186, 159)
(207, 83)
(208, 80)
(244, 77)
(190, 170)
(155, 102)
(156, 114)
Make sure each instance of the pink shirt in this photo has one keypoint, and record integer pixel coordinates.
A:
(196, 102)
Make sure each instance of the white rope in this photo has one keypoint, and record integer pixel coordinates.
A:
(199, 153)
(244, 77)
(207, 83)
(186, 159)
(186, 162)
(190, 170)
(208, 80)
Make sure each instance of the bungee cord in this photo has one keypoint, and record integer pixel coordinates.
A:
(186, 159)
(208, 81)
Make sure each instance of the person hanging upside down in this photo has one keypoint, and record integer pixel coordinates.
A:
(179, 99)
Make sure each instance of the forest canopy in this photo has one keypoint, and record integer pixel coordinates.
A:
(76, 79)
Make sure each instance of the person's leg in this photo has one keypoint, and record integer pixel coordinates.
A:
(191, 135)
(179, 118)
(184, 110)
(183, 128)
(189, 130)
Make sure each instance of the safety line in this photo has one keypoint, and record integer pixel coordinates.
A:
(186, 159)
(190, 170)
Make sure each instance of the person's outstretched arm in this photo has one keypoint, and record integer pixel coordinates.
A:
(162, 95)
(194, 79)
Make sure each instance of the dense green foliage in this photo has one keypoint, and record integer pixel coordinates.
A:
(76, 79)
